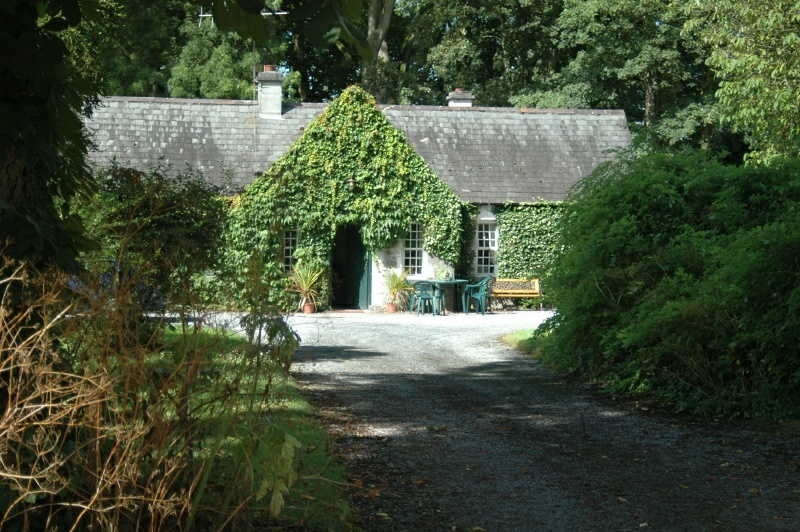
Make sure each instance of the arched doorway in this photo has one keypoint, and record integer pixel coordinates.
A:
(350, 272)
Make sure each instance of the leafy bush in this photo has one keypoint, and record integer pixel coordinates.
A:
(168, 229)
(159, 432)
(680, 276)
(117, 419)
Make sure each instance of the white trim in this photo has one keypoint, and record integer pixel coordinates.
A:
(420, 256)
(485, 263)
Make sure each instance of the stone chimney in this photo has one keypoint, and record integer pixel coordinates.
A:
(460, 98)
(270, 95)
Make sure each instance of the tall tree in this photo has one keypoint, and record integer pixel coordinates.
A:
(42, 139)
(633, 55)
(494, 49)
(321, 71)
(139, 49)
(216, 64)
(755, 52)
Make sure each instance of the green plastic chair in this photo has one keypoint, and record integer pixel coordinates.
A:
(479, 292)
(424, 297)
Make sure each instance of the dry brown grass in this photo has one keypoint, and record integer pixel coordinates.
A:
(105, 427)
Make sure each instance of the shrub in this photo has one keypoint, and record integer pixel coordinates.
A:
(113, 417)
(680, 277)
(166, 228)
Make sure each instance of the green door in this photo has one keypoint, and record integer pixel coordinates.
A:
(350, 273)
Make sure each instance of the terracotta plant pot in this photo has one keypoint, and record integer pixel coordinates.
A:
(391, 308)
(309, 308)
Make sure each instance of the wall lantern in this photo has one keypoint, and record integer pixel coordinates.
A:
(351, 183)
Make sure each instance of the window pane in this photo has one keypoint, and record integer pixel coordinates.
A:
(486, 244)
(289, 246)
(412, 250)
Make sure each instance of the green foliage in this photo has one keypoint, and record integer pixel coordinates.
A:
(756, 55)
(306, 280)
(308, 189)
(131, 49)
(167, 228)
(529, 239)
(679, 277)
(495, 49)
(177, 422)
(213, 64)
(632, 55)
(464, 268)
(326, 22)
(42, 138)
(396, 284)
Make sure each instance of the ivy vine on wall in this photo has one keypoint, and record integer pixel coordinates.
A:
(350, 166)
(529, 238)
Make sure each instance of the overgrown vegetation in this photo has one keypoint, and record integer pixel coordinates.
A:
(168, 228)
(116, 417)
(680, 278)
(529, 238)
(351, 166)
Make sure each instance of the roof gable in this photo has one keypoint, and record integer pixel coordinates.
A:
(352, 166)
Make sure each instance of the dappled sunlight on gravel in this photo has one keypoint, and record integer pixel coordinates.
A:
(443, 427)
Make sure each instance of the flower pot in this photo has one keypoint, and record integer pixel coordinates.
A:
(309, 308)
(391, 308)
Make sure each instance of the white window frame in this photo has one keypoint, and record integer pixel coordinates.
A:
(289, 247)
(486, 248)
(413, 254)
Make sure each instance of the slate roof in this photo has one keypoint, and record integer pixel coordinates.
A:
(486, 155)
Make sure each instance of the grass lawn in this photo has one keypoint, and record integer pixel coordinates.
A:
(524, 341)
(317, 500)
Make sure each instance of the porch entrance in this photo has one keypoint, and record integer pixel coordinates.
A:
(350, 272)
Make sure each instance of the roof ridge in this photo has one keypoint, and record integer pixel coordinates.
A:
(382, 107)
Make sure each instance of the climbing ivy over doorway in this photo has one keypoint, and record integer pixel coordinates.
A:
(350, 166)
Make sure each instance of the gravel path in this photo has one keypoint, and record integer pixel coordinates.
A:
(442, 427)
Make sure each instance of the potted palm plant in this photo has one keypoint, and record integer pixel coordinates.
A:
(306, 280)
(396, 284)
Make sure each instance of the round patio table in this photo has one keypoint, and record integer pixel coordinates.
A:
(456, 283)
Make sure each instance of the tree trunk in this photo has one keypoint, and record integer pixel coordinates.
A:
(650, 101)
(300, 64)
(380, 15)
(17, 184)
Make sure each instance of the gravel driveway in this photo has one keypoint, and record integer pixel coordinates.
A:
(442, 427)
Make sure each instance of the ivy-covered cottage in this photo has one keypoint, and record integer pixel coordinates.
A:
(362, 189)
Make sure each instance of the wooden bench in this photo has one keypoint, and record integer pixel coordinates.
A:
(515, 288)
